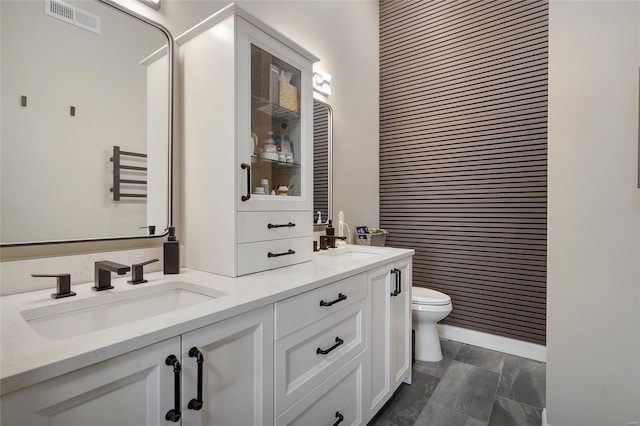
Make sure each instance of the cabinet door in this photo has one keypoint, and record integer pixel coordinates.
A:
(380, 386)
(237, 373)
(401, 325)
(132, 389)
(274, 123)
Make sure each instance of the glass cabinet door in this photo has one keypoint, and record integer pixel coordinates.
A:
(276, 139)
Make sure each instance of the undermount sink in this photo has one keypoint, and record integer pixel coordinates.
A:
(103, 311)
(352, 252)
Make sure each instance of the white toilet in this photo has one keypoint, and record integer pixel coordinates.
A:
(429, 307)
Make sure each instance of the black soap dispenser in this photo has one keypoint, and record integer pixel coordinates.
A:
(171, 253)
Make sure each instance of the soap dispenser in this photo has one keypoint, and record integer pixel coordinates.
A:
(171, 253)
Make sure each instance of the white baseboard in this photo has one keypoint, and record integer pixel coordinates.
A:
(491, 341)
(544, 417)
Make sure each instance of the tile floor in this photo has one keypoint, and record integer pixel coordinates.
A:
(471, 386)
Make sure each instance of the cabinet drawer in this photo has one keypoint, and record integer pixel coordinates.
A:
(299, 366)
(254, 226)
(299, 311)
(340, 395)
(254, 257)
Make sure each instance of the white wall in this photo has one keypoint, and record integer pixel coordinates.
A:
(344, 34)
(593, 332)
(54, 165)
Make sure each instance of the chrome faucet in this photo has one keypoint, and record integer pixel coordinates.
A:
(103, 270)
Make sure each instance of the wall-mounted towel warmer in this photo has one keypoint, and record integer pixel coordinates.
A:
(117, 180)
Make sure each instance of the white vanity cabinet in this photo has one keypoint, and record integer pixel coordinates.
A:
(237, 371)
(136, 388)
(247, 133)
(139, 388)
(320, 354)
(389, 331)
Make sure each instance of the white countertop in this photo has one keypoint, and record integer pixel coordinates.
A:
(27, 358)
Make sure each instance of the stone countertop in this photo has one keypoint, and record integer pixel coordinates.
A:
(27, 358)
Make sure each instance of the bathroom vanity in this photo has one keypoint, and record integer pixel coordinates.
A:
(308, 344)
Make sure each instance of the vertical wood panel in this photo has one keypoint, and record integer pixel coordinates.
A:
(463, 155)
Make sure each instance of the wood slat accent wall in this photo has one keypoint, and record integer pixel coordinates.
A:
(463, 155)
(320, 160)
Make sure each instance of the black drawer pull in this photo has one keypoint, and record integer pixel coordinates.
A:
(197, 403)
(340, 298)
(281, 254)
(339, 341)
(340, 418)
(174, 414)
(288, 225)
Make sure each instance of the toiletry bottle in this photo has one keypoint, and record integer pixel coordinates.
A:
(171, 249)
(331, 231)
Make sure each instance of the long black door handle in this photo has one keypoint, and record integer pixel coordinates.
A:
(174, 414)
(247, 167)
(339, 341)
(394, 271)
(340, 418)
(281, 254)
(399, 280)
(197, 403)
(340, 298)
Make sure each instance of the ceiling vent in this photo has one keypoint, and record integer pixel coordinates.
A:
(73, 15)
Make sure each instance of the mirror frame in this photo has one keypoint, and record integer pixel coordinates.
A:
(330, 153)
(170, 53)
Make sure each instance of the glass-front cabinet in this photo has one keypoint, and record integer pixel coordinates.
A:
(247, 146)
(279, 140)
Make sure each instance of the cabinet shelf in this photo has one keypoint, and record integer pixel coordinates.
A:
(274, 110)
(259, 160)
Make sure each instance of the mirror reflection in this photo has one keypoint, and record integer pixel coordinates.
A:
(321, 161)
(77, 81)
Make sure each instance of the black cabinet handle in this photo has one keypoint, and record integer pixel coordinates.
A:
(399, 275)
(339, 341)
(197, 403)
(248, 168)
(174, 414)
(340, 298)
(340, 418)
(281, 254)
(394, 271)
(288, 225)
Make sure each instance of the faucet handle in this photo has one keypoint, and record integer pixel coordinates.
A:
(63, 284)
(137, 272)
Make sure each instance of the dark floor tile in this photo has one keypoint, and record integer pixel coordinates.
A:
(405, 405)
(468, 390)
(475, 422)
(481, 357)
(523, 380)
(437, 369)
(435, 414)
(508, 413)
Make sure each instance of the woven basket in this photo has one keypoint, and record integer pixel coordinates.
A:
(377, 240)
(288, 96)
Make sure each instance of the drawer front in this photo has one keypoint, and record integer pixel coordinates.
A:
(254, 226)
(340, 395)
(299, 311)
(306, 358)
(254, 257)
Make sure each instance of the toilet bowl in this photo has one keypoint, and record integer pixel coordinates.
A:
(429, 307)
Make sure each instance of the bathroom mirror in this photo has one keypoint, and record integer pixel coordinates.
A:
(322, 140)
(85, 144)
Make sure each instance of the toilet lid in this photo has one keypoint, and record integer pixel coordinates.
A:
(426, 296)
